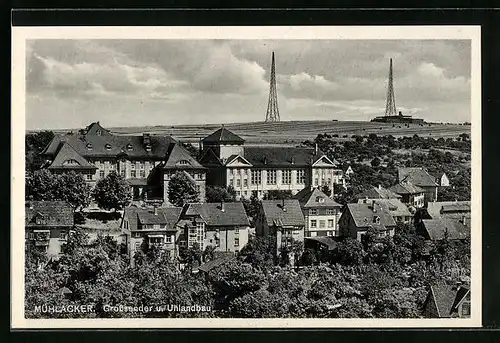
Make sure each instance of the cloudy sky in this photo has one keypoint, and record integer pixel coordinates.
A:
(70, 83)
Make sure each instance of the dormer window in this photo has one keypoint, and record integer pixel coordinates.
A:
(71, 162)
(376, 220)
(183, 162)
(108, 146)
(148, 147)
(89, 146)
(129, 147)
(98, 132)
(320, 199)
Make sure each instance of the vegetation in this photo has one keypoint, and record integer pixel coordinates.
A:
(182, 190)
(112, 192)
(35, 143)
(219, 194)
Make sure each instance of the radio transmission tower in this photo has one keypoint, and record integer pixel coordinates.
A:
(390, 106)
(273, 114)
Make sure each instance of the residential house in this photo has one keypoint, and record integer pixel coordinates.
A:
(257, 169)
(419, 176)
(378, 192)
(47, 225)
(282, 219)
(438, 229)
(223, 226)
(396, 208)
(152, 226)
(321, 214)
(357, 219)
(459, 210)
(410, 194)
(445, 301)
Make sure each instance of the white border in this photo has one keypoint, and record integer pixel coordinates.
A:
(21, 34)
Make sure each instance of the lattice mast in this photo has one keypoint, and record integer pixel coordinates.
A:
(390, 106)
(273, 113)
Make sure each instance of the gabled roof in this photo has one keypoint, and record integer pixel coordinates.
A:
(439, 208)
(220, 214)
(179, 158)
(223, 135)
(54, 213)
(168, 216)
(209, 158)
(406, 187)
(206, 267)
(281, 156)
(377, 193)
(68, 158)
(416, 175)
(446, 298)
(363, 215)
(96, 129)
(283, 213)
(436, 229)
(309, 198)
(395, 206)
(233, 158)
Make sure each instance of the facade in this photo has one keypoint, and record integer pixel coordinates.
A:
(48, 225)
(445, 301)
(251, 169)
(410, 194)
(357, 219)
(321, 214)
(420, 177)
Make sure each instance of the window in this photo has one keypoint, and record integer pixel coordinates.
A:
(313, 212)
(137, 246)
(136, 234)
(330, 222)
(313, 223)
(141, 164)
(132, 173)
(320, 199)
(101, 174)
(122, 173)
(301, 176)
(108, 146)
(198, 188)
(132, 166)
(88, 177)
(31, 235)
(271, 177)
(238, 183)
(316, 181)
(246, 193)
(130, 147)
(466, 308)
(236, 231)
(245, 182)
(63, 235)
(183, 162)
(89, 146)
(98, 132)
(168, 239)
(330, 211)
(236, 241)
(256, 177)
(321, 223)
(238, 193)
(287, 177)
(143, 173)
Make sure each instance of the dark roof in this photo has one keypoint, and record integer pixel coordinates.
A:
(281, 156)
(179, 158)
(329, 242)
(283, 213)
(309, 198)
(377, 193)
(93, 129)
(363, 215)
(168, 216)
(436, 228)
(206, 267)
(416, 175)
(447, 297)
(406, 187)
(223, 135)
(233, 214)
(66, 154)
(54, 213)
(395, 206)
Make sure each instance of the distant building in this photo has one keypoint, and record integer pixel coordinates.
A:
(445, 301)
(410, 194)
(378, 192)
(357, 219)
(420, 177)
(321, 214)
(257, 169)
(398, 119)
(48, 225)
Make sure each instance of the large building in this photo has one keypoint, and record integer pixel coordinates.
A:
(257, 169)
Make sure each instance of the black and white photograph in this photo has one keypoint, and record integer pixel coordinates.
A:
(246, 177)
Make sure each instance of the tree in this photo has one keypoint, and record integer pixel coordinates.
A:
(112, 192)
(375, 162)
(349, 252)
(220, 194)
(182, 190)
(35, 143)
(276, 194)
(252, 207)
(70, 187)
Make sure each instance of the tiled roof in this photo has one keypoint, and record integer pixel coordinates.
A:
(377, 193)
(363, 215)
(281, 156)
(447, 297)
(168, 216)
(54, 213)
(285, 212)
(416, 175)
(438, 208)
(206, 267)
(406, 187)
(179, 158)
(68, 158)
(395, 206)
(309, 198)
(436, 229)
(93, 128)
(233, 214)
(223, 135)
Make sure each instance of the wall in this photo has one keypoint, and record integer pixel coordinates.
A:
(227, 237)
(227, 150)
(55, 242)
(324, 217)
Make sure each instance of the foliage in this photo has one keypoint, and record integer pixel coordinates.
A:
(35, 143)
(182, 190)
(112, 192)
(220, 194)
(276, 194)
(252, 206)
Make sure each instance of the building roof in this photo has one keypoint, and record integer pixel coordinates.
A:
(68, 158)
(168, 216)
(309, 198)
(377, 193)
(179, 158)
(206, 267)
(54, 213)
(281, 156)
(447, 298)
(395, 206)
(220, 214)
(406, 187)
(416, 175)
(223, 135)
(439, 208)
(436, 229)
(329, 242)
(283, 213)
(96, 129)
(364, 215)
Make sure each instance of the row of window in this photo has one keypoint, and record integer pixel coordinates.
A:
(322, 223)
(63, 235)
(328, 211)
(272, 177)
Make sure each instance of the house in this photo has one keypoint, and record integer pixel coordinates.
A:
(282, 219)
(410, 194)
(378, 192)
(445, 301)
(349, 172)
(396, 208)
(95, 151)
(442, 179)
(257, 169)
(152, 226)
(47, 225)
(459, 210)
(419, 176)
(223, 226)
(357, 219)
(438, 229)
(321, 214)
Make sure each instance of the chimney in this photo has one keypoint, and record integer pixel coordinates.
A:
(222, 209)
(293, 160)
(373, 206)
(155, 210)
(379, 187)
(464, 220)
(316, 149)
